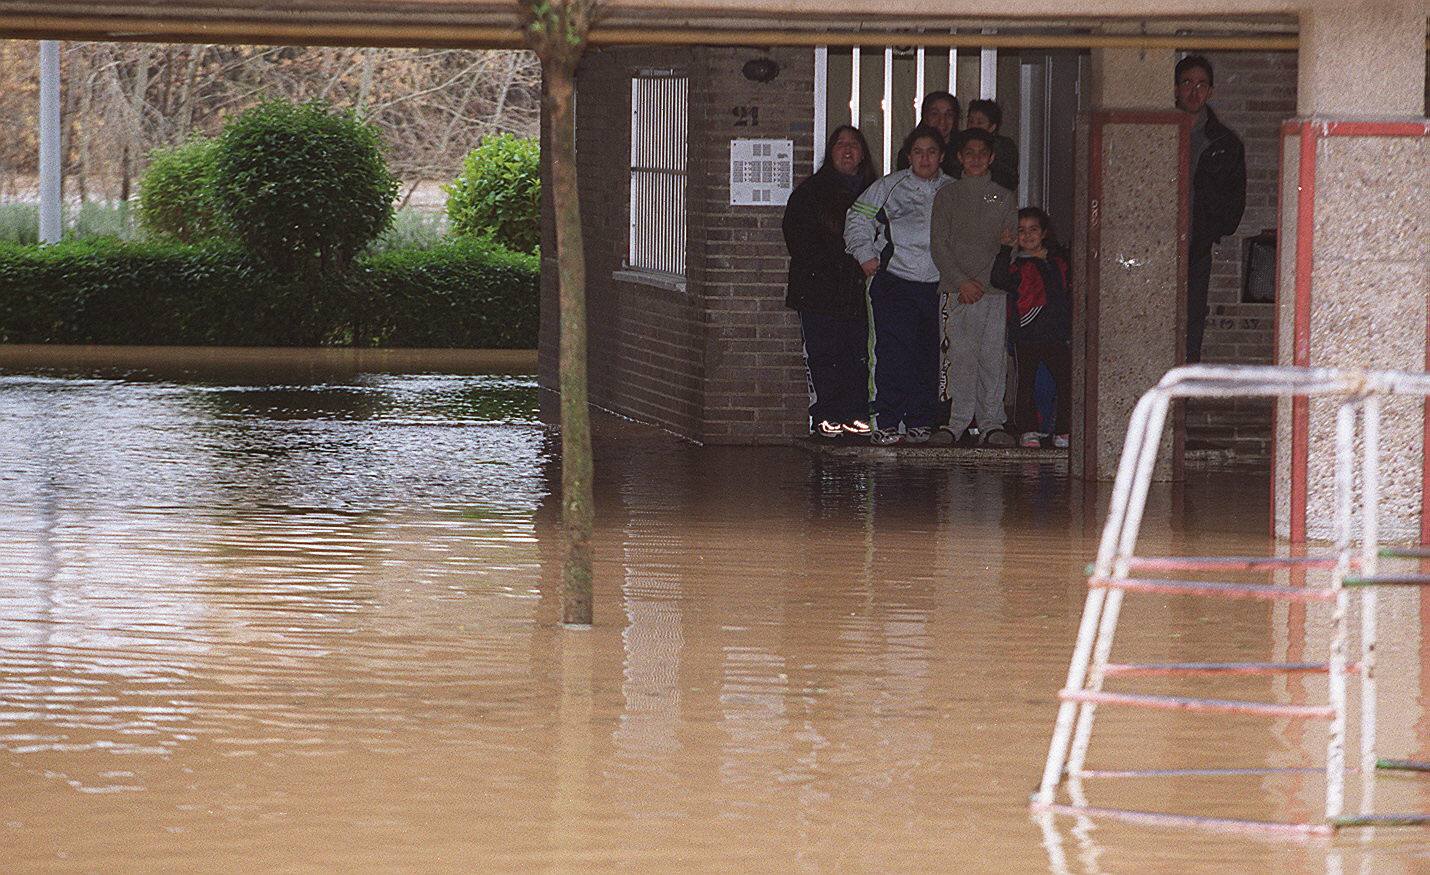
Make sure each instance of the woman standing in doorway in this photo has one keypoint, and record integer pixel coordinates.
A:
(887, 232)
(826, 286)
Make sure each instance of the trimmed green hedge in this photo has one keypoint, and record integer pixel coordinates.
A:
(461, 294)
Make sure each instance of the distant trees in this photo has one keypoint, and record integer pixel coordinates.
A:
(122, 100)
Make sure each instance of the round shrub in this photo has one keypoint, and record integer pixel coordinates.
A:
(499, 193)
(303, 185)
(176, 196)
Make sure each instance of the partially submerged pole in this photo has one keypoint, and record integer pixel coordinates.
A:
(51, 218)
(557, 31)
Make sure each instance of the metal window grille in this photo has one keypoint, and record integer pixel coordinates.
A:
(660, 113)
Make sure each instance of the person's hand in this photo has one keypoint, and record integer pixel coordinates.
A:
(870, 267)
(970, 292)
(1008, 237)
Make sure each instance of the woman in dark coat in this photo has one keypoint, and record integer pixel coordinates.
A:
(826, 286)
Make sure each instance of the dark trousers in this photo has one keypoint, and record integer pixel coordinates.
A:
(836, 360)
(1056, 356)
(906, 339)
(1199, 276)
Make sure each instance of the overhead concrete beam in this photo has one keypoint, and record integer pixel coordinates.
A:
(495, 24)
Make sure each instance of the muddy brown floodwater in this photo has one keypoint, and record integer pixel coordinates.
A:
(297, 612)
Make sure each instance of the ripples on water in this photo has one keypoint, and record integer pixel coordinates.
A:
(302, 614)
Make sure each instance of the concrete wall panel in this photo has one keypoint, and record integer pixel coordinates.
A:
(1367, 309)
(1139, 274)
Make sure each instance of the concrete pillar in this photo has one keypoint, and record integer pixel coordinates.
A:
(1129, 248)
(1355, 217)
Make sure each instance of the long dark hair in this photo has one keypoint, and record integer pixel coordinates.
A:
(865, 171)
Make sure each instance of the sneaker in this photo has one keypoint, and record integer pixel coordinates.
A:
(1060, 441)
(998, 437)
(884, 438)
(942, 436)
(971, 437)
(827, 429)
(856, 427)
(918, 435)
(1032, 440)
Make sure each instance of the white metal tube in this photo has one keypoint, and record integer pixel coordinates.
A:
(887, 105)
(51, 213)
(821, 103)
(1336, 737)
(1077, 673)
(854, 87)
(1093, 604)
(919, 55)
(1148, 441)
(988, 74)
(1370, 549)
(953, 72)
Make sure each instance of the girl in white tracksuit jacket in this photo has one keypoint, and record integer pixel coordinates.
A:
(887, 232)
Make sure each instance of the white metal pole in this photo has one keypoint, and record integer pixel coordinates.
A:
(919, 56)
(887, 105)
(51, 217)
(821, 103)
(1370, 549)
(1336, 737)
(953, 74)
(988, 73)
(854, 86)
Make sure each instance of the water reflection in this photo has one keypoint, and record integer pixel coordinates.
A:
(300, 613)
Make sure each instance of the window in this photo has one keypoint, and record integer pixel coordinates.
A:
(660, 113)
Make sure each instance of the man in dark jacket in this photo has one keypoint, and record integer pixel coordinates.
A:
(1218, 165)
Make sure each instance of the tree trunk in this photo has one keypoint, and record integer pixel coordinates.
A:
(557, 31)
(578, 514)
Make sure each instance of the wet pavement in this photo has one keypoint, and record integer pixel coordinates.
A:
(296, 611)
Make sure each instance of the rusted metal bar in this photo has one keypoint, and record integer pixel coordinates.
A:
(1189, 703)
(1227, 563)
(1405, 552)
(1216, 668)
(1389, 580)
(1406, 819)
(1247, 771)
(1263, 591)
(1403, 765)
(1218, 824)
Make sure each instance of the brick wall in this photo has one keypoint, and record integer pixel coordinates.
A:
(1255, 92)
(755, 381)
(645, 342)
(719, 361)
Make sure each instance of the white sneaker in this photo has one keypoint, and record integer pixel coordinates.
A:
(1060, 441)
(827, 429)
(856, 427)
(882, 438)
(1031, 440)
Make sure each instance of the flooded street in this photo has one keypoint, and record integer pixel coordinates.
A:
(298, 611)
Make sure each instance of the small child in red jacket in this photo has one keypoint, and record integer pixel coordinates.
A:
(1039, 320)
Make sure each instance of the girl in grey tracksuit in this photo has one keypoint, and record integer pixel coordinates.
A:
(887, 232)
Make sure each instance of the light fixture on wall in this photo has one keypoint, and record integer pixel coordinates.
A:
(761, 69)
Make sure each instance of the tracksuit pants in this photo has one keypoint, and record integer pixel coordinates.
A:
(905, 351)
(975, 356)
(836, 360)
